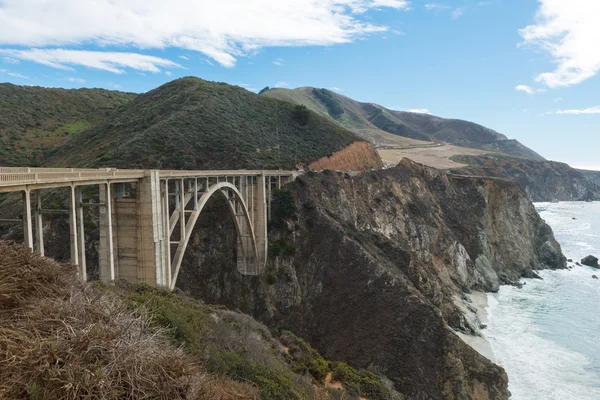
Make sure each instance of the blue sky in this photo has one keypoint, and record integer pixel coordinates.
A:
(526, 68)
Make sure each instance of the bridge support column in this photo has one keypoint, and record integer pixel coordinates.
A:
(81, 233)
(106, 257)
(27, 226)
(259, 210)
(73, 226)
(153, 266)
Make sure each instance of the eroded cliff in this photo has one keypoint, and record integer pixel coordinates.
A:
(359, 156)
(541, 180)
(372, 270)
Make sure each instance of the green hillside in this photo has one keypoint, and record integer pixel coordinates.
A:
(35, 119)
(195, 124)
(376, 123)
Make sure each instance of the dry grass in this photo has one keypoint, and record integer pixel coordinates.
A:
(60, 338)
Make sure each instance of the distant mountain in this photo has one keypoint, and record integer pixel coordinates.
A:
(190, 123)
(374, 122)
(35, 119)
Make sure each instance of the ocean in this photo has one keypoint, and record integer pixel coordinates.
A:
(547, 334)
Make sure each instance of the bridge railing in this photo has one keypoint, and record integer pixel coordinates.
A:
(52, 177)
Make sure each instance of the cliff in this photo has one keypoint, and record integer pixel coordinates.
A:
(359, 156)
(372, 271)
(541, 180)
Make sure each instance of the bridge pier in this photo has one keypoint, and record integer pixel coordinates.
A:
(27, 226)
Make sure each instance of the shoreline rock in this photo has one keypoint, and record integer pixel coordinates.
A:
(590, 261)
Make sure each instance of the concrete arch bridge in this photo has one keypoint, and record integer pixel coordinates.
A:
(144, 235)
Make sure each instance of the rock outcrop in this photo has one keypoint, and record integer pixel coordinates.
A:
(590, 261)
(372, 271)
(541, 180)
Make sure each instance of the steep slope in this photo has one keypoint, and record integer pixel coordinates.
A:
(195, 124)
(65, 339)
(541, 180)
(372, 121)
(34, 120)
(372, 271)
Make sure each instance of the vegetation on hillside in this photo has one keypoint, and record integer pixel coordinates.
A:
(34, 120)
(373, 122)
(194, 124)
(333, 106)
(62, 338)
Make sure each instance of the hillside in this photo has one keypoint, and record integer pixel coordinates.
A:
(540, 180)
(190, 123)
(374, 122)
(65, 339)
(36, 119)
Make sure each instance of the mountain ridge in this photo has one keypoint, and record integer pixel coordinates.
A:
(191, 123)
(372, 122)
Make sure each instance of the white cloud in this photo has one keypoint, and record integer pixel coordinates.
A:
(117, 86)
(336, 89)
(223, 30)
(16, 75)
(107, 61)
(528, 89)
(570, 32)
(248, 86)
(168, 73)
(281, 84)
(10, 60)
(279, 62)
(184, 58)
(436, 7)
(76, 80)
(2, 71)
(419, 111)
(458, 12)
(556, 100)
(590, 110)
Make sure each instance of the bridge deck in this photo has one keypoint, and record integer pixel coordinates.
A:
(18, 179)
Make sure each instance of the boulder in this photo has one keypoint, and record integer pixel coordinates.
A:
(590, 261)
(579, 265)
(594, 276)
(570, 260)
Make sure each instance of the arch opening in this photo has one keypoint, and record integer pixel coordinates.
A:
(247, 257)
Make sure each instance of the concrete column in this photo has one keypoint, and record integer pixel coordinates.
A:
(81, 233)
(27, 225)
(153, 267)
(260, 221)
(166, 273)
(106, 255)
(182, 210)
(39, 224)
(195, 194)
(73, 226)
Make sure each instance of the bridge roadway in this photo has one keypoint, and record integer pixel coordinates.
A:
(146, 217)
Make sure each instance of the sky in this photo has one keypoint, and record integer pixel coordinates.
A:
(525, 68)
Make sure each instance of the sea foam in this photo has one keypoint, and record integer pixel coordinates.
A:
(547, 334)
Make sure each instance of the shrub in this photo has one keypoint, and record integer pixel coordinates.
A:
(283, 207)
(301, 115)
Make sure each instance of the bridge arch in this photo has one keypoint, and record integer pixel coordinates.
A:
(248, 257)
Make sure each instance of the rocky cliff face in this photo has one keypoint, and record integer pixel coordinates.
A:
(359, 156)
(541, 180)
(372, 270)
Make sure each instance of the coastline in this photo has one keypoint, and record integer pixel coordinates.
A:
(479, 343)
